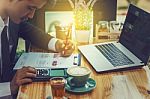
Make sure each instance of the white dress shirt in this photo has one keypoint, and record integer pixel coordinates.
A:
(5, 87)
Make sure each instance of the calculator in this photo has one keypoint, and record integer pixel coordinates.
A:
(44, 74)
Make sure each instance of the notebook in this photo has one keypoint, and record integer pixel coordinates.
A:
(47, 60)
(131, 51)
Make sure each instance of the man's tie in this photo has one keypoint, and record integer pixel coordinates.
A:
(6, 69)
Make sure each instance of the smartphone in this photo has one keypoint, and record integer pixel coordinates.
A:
(44, 74)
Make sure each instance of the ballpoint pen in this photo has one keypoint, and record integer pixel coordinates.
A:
(67, 38)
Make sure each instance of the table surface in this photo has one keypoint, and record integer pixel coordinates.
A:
(103, 90)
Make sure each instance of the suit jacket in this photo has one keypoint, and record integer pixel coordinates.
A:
(28, 32)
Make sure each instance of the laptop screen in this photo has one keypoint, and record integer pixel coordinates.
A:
(136, 33)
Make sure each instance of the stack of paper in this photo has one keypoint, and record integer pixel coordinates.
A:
(47, 60)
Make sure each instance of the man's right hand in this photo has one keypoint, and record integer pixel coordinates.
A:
(22, 76)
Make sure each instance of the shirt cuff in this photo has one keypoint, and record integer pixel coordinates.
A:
(5, 89)
(51, 44)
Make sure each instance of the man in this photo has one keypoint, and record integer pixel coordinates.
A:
(13, 14)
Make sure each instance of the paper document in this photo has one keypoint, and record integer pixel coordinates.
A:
(47, 60)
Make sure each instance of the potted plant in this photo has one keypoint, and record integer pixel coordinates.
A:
(82, 11)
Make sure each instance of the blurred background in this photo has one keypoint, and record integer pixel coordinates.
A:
(60, 12)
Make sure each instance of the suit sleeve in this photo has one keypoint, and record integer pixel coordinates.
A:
(36, 36)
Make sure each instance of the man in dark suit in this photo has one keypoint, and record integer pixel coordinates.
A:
(13, 16)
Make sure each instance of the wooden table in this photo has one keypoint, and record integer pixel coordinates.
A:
(103, 90)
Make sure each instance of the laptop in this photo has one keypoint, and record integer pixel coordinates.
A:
(131, 51)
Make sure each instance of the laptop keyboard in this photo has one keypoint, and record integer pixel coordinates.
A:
(114, 55)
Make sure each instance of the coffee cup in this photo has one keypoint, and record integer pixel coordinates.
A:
(78, 76)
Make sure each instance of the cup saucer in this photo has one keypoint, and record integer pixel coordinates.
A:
(90, 85)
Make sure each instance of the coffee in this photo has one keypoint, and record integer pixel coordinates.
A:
(78, 71)
(78, 76)
(58, 87)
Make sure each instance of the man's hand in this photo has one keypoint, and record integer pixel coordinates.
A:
(65, 49)
(22, 76)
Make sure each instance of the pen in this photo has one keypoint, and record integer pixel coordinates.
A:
(67, 38)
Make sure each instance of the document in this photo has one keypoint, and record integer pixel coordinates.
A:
(47, 60)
